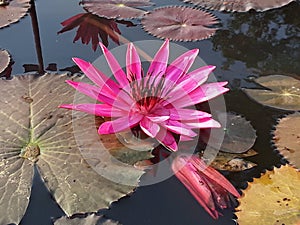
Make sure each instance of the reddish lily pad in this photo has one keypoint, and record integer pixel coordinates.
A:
(272, 199)
(13, 11)
(116, 9)
(179, 23)
(240, 5)
(4, 60)
(89, 220)
(281, 92)
(34, 131)
(287, 138)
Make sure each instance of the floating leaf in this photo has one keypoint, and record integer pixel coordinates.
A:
(282, 92)
(272, 199)
(239, 135)
(179, 23)
(13, 11)
(119, 9)
(35, 131)
(4, 60)
(287, 138)
(233, 162)
(240, 6)
(89, 220)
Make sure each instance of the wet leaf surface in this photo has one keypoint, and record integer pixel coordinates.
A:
(281, 92)
(89, 220)
(287, 138)
(272, 199)
(119, 9)
(13, 11)
(179, 23)
(35, 131)
(239, 135)
(233, 162)
(240, 6)
(4, 60)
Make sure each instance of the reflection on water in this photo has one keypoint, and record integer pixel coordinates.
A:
(268, 42)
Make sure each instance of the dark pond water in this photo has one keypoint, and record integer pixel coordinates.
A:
(246, 45)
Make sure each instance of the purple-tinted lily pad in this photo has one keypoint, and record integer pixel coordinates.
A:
(240, 5)
(13, 11)
(34, 131)
(287, 138)
(119, 9)
(179, 23)
(4, 60)
(281, 92)
(239, 135)
(89, 220)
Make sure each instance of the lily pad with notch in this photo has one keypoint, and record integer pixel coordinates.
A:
(92, 219)
(34, 131)
(179, 23)
(280, 92)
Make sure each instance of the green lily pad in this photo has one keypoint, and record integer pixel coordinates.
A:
(35, 131)
(89, 220)
(282, 92)
(236, 134)
(287, 138)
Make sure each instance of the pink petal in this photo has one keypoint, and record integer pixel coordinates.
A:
(150, 128)
(158, 119)
(187, 114)
(160, 61)
(133, 63)
(97, 109)
(95, 92)
(191, 82)
(115, 67)
(215, 176)
(202, 123)
(187, 174)
(201, 94)
(97, 76)
(177, 68)
(167, 139)
(120, 124)
(179, 128)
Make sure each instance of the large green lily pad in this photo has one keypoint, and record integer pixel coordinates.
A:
(35, 131)
(281, 92)
(287, 138)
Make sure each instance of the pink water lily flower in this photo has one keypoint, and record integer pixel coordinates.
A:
(155, 101)
(210, 188)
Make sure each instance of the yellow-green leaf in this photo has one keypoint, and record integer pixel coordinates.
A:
(272, 199)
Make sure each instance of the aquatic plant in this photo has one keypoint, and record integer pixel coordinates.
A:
(155, 102)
